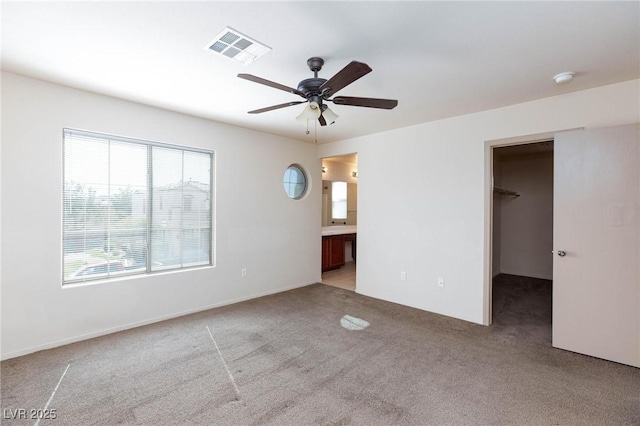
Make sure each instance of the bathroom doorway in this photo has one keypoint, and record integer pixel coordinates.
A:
(339, 220)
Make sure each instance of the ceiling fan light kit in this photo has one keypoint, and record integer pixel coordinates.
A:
(318, 90)
(310, 112)
(329, 115)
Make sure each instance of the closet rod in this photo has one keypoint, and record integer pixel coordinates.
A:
(505, 191)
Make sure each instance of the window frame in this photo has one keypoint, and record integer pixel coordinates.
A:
(287, 183)
(148, 207)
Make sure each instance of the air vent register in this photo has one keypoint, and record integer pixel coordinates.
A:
(237, 46)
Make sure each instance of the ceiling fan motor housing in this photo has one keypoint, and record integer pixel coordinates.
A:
(311, 86)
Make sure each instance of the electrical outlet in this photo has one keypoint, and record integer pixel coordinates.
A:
(243, 273)
(403, 276)
(441, 282)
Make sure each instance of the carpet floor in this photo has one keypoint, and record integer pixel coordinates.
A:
(286, 359)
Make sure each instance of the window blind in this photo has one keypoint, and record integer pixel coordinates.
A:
(132, 206)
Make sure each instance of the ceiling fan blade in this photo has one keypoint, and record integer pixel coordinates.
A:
(271, 84)
(365, 102)
(271, 108)
(322, 121)
(345, 76)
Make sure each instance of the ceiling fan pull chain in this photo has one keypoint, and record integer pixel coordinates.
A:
(315, 131)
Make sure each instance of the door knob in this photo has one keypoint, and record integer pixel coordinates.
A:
(562, 253)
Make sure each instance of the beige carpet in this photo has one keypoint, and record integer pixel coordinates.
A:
(286, 360)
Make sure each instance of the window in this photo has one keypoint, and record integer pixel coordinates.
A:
(295, 182)
(339, 200)
(132, 207)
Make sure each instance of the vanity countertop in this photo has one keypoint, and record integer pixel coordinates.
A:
(338, 230)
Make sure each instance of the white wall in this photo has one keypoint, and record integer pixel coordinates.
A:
(526, 222)
(257, 226)
(423, 198)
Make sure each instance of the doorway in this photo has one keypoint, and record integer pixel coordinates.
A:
(339, 220)
(522, 241)
(596, 242)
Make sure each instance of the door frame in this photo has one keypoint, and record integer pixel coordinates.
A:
(487, 308)
(357, 197)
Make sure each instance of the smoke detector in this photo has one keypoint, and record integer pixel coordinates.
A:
(237, 46)
(564, 77)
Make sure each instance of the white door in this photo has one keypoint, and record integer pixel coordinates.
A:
(596, 238)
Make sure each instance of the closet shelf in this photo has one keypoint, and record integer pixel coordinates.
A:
(505, 191)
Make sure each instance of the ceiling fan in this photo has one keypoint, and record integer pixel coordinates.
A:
(317, 90)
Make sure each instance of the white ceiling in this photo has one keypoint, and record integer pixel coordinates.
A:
(439, 59)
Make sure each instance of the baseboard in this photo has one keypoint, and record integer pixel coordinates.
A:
(414, 306)
(107, 331)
